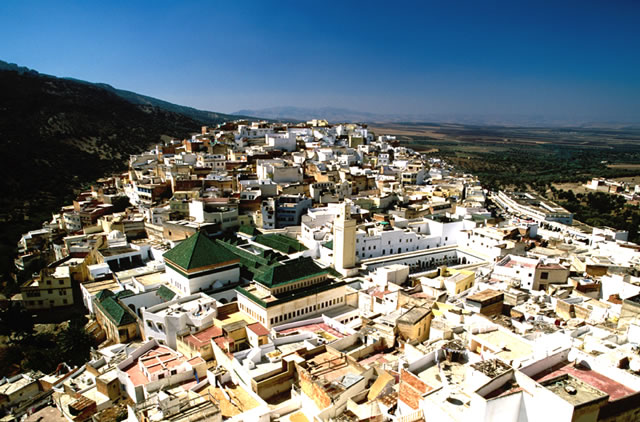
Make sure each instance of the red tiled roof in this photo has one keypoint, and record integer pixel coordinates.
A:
(203, 337)
(380, 294)
(154, 360)
(196, 360)
(258, 329)
(614, 389)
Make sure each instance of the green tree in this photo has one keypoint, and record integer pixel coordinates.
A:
(15, 323)
(74, 343)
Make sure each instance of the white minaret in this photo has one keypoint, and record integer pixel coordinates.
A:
(344, 239)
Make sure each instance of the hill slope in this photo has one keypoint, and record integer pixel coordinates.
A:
(57, 134)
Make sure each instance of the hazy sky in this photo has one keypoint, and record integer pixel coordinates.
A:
(554, 59)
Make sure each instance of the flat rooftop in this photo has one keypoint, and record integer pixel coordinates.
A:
(454, 371)
(330, 367)
(154, 360)
(485, 295)
(573, 390)
(200, 307)
(321, 329)
(62, 271)
(507, 347)
(137, 272)
(536, 202)
(49, 414)
(94, 287)
(379, 358)
(9, 388)
(452, 398)
(513, 262)
(120, 250)
(614, 389)
(152, 279)
(232, 399)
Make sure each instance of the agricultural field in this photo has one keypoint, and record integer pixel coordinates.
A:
(526, 157)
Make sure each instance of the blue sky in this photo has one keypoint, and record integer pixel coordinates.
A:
(559, 59)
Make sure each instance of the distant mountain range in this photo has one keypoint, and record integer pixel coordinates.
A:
(202, 116)
(332, 114)
(337, 114)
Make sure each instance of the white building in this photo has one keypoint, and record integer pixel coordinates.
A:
(279, 171)
(198, 264)
(203, 212)
(344, 240)
(167, 321)
(284, 211)
(381, 239)
(282, 141)
(534, 207)
(292, 291)
(153, 367)
(493, 242)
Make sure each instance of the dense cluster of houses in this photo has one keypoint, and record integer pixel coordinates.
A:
(314, 272)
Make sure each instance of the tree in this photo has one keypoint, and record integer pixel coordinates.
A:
(40, 353)
(15, 323)
(74, 342)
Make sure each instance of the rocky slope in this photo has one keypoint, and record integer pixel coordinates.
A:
(57, 135)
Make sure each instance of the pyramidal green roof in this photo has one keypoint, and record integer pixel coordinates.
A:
(290, 271)
(103, 294)
(116, 312)
(198, 251)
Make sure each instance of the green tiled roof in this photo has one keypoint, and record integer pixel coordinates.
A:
(255, 263)
(292, 295)
(333, 272)
(165, 293)
(116, 312)
(250, 230)
(290, 272)
(103, 294)
(281, 243)
(198, 251)
(124, 293)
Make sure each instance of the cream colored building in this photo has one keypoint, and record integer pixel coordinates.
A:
(453, 281)
(344, 239)
(51, 289)
(292, 291)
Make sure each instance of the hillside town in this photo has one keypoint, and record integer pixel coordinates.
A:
(262, 271)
